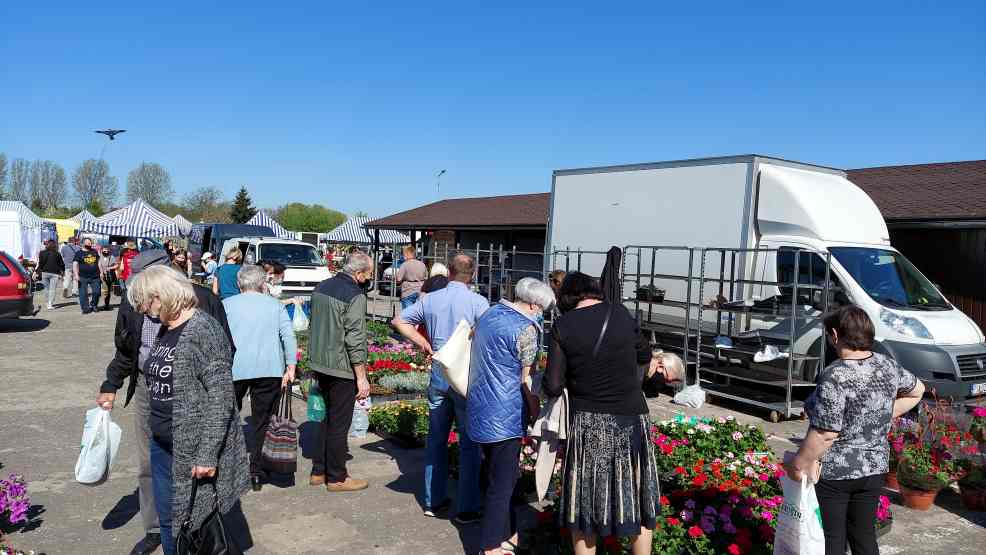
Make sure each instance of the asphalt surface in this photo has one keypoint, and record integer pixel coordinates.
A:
(50, 370)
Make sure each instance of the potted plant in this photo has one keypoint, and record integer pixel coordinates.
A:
(972, 487)
(884, 517)
(923, 470)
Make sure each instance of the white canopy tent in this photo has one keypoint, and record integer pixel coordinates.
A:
(20, 230)
(184, 225)
(264, 219)
(138, 219)
(353, 231)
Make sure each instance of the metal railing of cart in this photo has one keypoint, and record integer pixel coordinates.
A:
(717, 368)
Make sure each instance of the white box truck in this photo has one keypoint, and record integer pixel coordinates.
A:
(757, 202)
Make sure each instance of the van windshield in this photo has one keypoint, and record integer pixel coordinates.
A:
(889, 278)
(290, 254)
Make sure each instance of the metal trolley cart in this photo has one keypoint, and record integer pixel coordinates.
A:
(720, 337)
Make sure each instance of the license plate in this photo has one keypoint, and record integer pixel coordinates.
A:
(978, 389)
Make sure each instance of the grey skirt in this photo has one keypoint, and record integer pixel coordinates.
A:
(610, 482)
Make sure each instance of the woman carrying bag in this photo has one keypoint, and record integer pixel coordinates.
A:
(196, 441)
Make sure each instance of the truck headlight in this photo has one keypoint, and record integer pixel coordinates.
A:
(904, 325)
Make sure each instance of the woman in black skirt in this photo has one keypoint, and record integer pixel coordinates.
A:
(610, 484)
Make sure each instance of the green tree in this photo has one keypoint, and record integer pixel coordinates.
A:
(94, 185)
(206, 204)
(151, 182)
(316, 218)
(242, 209)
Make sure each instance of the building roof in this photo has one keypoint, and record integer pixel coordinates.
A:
(482, 212)
(922, 192)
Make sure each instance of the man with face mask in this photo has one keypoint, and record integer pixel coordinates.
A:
(135, 335)
(338, 353)
(85, 268)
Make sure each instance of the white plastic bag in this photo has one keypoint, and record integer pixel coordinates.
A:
(454, 358)
(361, 418)
(100, 442)
(299, 321)
(691, 396)
(799, 520)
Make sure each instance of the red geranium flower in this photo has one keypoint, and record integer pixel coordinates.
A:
(695, 532)
(699, 480)
(733, 549)
(680, 470)
(673, 521)
(665, 500)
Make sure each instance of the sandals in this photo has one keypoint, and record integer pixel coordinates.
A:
(508, 546)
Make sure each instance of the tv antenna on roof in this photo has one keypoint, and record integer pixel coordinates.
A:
(438, 181)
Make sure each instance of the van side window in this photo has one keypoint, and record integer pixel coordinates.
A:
(811, 271)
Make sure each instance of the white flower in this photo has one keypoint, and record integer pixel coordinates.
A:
(730, 418)
(721, 420)
(691, 431)
(730, 455)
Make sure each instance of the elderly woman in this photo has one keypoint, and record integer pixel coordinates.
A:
(500, 402)
(849, 416)
(224, 285)
(264, 363)
(195, 433)
(610, 481)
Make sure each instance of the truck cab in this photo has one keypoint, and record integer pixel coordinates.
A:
(305, 267)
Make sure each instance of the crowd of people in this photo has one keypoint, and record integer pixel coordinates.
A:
(193, 351)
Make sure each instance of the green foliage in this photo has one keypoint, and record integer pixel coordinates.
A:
(407, 420)
(411, 382)
(242, 209)
(680, 441)
(206, 204)
(315, 218)
(378, 332)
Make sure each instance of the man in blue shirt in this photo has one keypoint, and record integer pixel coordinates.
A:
(440, 312)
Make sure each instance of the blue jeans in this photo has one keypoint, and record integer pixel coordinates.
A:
(89, 289)
(164, 492)
(443, 406)
(409, 300)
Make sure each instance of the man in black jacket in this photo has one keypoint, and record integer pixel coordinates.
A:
(135, 335)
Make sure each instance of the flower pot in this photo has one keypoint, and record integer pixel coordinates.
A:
(892, 483)
(917, 499)
(973, 497)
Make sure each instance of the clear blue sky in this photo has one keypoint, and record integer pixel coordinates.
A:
(358, 107)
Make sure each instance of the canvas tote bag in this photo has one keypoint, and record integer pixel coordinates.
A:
(454, 358)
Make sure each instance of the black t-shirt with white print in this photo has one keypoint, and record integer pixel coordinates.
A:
(159, 374)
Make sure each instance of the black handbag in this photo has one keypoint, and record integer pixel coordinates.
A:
(211, 538)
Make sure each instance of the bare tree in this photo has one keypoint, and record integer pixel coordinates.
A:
(151, 182)
(48, 186)
(206, 204)
(3, 175)
(93, 184)
(20, 180)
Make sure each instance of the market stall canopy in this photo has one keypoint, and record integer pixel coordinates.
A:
(354, 231)
(20, 230)
(264, 219)
(84, 215)
(138, 219)
(184, 225)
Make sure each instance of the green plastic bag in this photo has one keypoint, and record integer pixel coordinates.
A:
(316, 405)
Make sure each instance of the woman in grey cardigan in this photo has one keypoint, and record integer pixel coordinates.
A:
(195, 432)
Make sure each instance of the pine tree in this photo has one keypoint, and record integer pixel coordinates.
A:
(242, 209)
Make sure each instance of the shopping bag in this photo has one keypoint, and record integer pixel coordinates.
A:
(279, 452)
(361, 418)
(691, 396)
(300, 320)
(799, 520)
(100, 442)
(454, 358)
(316, 405)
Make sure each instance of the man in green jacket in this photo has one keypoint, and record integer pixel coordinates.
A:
(337, 351)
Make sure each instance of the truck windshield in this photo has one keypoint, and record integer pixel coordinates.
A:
(889, 278)
(291, 255)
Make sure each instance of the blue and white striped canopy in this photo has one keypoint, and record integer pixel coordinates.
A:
(354, 231)
(28, 218)
(184, 225)
(263, 218)
(138, 219)
(84, 215)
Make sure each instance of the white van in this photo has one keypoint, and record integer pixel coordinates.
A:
(305, 267)
(757, 202)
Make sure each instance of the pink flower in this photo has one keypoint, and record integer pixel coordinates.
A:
(763, 477)
(767, 515)
(979, 411)
(737, 436)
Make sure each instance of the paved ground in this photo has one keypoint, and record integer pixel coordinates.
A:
(51, 366)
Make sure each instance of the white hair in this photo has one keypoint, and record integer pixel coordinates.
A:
(534, 291)
(357, 262)
(251, 278)
(438, 269)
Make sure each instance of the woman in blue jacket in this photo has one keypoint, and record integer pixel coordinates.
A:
(500, 402)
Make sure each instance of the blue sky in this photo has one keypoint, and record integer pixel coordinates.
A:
(356, 105)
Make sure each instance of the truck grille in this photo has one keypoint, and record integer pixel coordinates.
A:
(972, 367)
(299, 283)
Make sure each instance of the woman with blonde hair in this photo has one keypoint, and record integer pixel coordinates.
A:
(195, 432)
(225, 284)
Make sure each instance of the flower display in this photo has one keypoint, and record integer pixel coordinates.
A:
(404, 420)
(14, 501)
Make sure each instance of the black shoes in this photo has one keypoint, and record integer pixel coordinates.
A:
(148, 545)
(256, 483)
(439, 509)
(468, 517)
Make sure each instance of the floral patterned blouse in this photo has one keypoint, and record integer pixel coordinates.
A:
(855, 398)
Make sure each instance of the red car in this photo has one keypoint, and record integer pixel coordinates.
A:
(16, 289)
